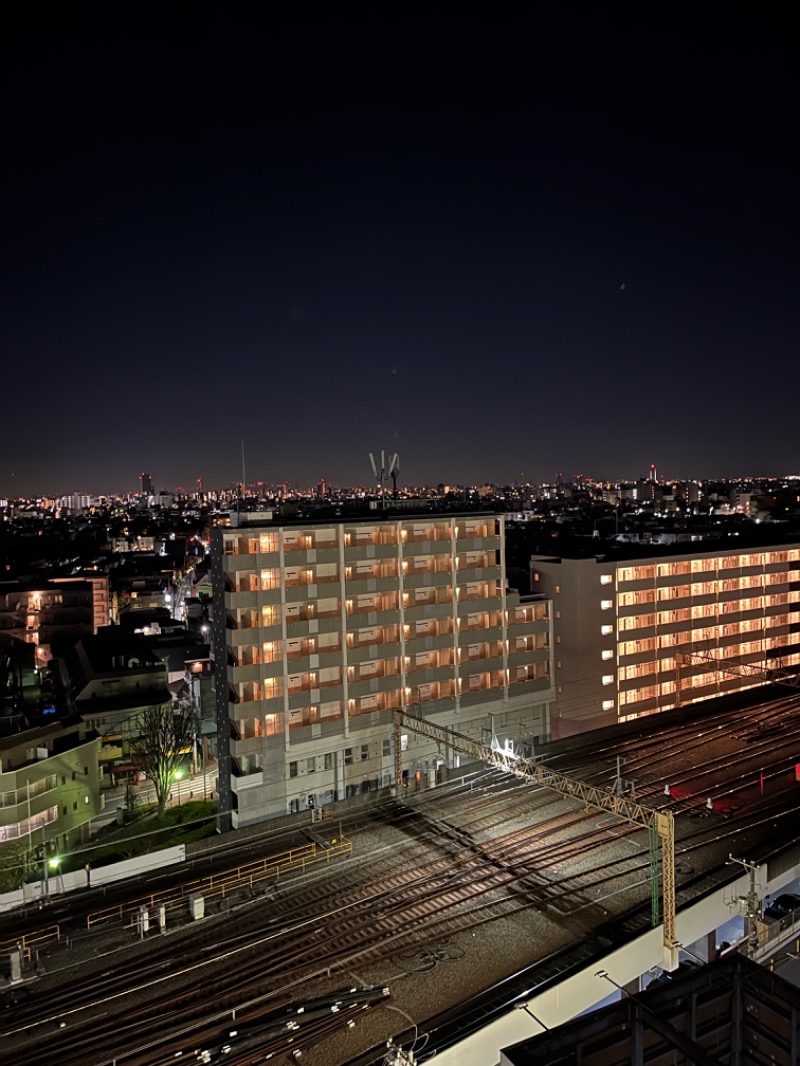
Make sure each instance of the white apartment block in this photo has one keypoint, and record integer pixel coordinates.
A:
(321, 631)
(639, 636)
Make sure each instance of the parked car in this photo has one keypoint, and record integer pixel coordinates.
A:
(782, 905)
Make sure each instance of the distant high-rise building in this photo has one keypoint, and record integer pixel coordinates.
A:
(322, 488)
(147, 484)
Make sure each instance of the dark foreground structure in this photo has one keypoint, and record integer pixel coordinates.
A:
(732, 1011)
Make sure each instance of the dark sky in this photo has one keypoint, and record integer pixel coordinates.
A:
(502, 247)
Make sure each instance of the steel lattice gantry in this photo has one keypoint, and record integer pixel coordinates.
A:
(659, 824)
(776, 675)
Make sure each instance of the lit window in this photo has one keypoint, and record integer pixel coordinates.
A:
(608, 705)
(608, 679)
(606, 579)
(606, 605)
(606, 653)
(606, 630)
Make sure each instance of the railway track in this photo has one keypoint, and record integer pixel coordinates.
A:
(460, 859)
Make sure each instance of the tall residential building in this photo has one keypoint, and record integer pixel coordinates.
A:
(321, 630)
(147, 484)
(638, 636)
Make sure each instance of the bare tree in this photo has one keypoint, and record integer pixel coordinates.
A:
(16, 861)
(165, 731)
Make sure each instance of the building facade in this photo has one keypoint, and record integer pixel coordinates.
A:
(640, 636)
(321, 631)
(58, 610)
(49, 786)
(110, 680)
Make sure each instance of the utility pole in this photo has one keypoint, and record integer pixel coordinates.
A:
(752, 903)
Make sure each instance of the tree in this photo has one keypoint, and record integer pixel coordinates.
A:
(164, 731)
(15, 863)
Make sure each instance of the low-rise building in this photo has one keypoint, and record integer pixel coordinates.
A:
(54, 612)
(109, 680)
(49, 785)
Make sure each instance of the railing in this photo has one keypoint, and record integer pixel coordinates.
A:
(219, 886)
(29, 942)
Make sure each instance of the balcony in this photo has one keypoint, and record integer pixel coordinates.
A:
(519, 686)
(368, 652)
(469, 604)
(363, 584)
(432, 643)
(357, 613)
(534, 655)
(310, 577)
(414, 548)
(420, 611)
(429, 675)
(480, 666)
(418, 579)
(251, 600)
(374, 686)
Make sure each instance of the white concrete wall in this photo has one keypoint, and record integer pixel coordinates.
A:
(586, 990)
(59, 884)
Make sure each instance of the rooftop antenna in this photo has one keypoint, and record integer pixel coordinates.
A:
(380, 472)
(240, 493)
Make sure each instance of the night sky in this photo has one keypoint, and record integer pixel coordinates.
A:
(505, 248)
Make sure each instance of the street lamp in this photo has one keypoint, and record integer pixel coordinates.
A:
(178, 775)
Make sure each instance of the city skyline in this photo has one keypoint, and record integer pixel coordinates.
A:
(260, 488)
(493, 246)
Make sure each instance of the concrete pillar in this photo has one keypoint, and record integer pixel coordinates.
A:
(706, 947)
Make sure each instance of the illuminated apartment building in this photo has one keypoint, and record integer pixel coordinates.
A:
(58, 611)
(640, 636)
(321, 630)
